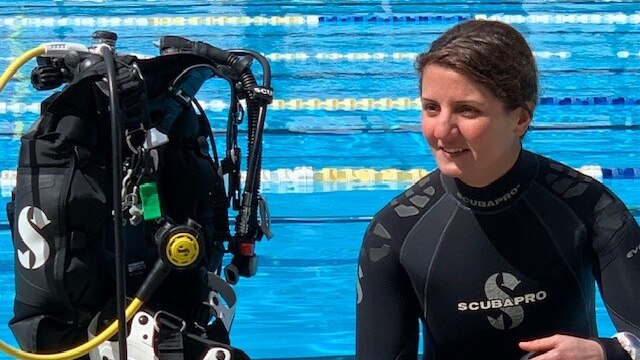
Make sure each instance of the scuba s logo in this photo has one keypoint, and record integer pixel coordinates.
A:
(497, 298)
(359, 287)
(494, 293)
(30, 223)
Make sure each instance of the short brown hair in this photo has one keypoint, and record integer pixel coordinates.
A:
(491, 53)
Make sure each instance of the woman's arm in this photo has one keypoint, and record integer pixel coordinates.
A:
(616, 243)
(616, 240)
(386, 311)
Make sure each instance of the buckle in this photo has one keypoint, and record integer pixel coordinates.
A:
(180, 95)
(168, 319)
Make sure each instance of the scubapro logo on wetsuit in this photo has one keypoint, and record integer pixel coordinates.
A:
(502, 303)
(490, 203)
(497, 299)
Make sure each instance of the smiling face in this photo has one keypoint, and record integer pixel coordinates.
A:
(471, 134)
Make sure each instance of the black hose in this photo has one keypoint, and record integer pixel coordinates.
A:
(233, 192)
(253, 109)
(116, 175)
(256, 110)
(254, 145)
(266, 68)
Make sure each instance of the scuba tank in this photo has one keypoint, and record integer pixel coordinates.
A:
(118, 195)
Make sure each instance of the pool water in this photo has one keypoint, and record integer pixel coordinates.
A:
(301, 303)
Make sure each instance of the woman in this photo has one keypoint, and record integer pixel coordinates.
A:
(495, 252)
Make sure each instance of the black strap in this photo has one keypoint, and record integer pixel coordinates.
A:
(173, 341)
(168, 341)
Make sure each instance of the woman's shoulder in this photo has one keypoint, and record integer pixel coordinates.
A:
(416, 199)
(580, 191)
(392, 224)
(565, 180)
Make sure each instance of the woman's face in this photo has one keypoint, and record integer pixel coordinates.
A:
(471, 135)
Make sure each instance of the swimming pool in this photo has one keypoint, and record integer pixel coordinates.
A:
(302, 301)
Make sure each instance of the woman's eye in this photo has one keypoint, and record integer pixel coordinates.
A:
(430, 108)
(469, 112)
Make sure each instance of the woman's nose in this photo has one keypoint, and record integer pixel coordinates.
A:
(445, 126)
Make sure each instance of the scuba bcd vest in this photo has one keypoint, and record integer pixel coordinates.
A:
(120, 178)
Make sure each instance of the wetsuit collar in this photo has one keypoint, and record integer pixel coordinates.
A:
(500, 193)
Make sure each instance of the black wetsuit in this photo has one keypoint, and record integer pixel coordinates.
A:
(485, 268)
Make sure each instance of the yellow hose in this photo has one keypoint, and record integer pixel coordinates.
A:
(81, 350)
(17, 63)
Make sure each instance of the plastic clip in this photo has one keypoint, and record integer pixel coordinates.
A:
(168, 318)
(129, 135)
(265, 217)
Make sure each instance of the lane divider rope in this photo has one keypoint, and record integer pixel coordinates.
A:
(140, 21)
(308, 175)
(354, 104)
(625, 54)
(584, 18)
(379, 56)
(313, 20)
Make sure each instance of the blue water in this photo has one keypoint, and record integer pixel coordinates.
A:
(301, 303)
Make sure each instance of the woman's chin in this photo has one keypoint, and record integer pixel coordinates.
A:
(450, 169)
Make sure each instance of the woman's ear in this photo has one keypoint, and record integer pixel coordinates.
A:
(525, 114)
